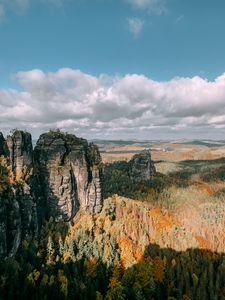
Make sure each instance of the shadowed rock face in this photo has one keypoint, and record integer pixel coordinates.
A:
(141, 167)
(70, 174)
(18, 214)
(20, 153)
(3, 146)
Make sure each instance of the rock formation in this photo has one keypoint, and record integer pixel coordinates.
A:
(20, 154)
(3, 146)
(61, 176)
(141, 167)
(70, 174)
(18, 215)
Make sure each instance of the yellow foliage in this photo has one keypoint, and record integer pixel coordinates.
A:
(185, 297)
(30, 278)
(36, 274)
(173, 262)
(63, 283)
(19, 174)
(91, 267)
(33, 276)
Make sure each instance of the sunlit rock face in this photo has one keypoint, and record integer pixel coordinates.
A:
(70, 174)
(141, 166)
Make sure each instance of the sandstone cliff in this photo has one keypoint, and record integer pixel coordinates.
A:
(69, 173)
(20, 149)
(59, 177)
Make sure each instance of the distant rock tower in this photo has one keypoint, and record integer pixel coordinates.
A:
(3, 146)
(20, 153)
(141, 166)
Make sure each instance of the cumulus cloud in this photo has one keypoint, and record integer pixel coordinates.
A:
(135, 26)
(113, 107)
(153, 6)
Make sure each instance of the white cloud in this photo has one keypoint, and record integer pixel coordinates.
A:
(135, 26)
(154, 6)
(21, 6)
(116, 107)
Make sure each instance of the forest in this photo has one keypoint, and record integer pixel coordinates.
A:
(66, 261)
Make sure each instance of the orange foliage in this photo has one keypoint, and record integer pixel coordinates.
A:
(203, 186)
(162, 221)
(116, 276)
(155, 212)
(138, 254)
(203, 243)
(158, 270)
(126, 246)
(66, 256)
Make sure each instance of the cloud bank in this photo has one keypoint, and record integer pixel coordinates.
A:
(132, 106)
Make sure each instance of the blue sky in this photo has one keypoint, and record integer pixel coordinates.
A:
(161, 41)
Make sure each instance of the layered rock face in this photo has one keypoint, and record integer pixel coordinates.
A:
(141, 166)
(70, 174)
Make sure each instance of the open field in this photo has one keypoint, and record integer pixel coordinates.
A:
(168, 151)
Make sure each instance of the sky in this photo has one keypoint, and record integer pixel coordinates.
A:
(113, 69)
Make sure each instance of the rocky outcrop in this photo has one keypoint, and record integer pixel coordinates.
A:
(141, 166)
(18, 214)
(69, 171)
(20, 154)
(3, 146)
